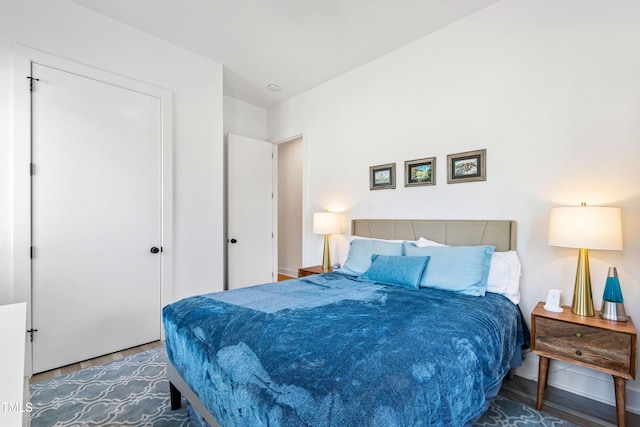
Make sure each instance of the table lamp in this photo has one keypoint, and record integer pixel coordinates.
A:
(585, 227)
(327, 223)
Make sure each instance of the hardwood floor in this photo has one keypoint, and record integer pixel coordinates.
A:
(564, 405)
(559, 403)
(94, 362)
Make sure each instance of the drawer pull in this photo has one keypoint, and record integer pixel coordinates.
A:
(579, 335)
(578, 352)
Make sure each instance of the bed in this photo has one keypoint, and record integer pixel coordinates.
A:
(372, 344)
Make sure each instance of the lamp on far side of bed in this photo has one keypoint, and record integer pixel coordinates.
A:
(585, 227)
(327, 223)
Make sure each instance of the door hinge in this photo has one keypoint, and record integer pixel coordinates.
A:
(31, 252)
(32, 169)
(31, 331)
(31, 79)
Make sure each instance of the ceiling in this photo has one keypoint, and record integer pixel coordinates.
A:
(295, 44)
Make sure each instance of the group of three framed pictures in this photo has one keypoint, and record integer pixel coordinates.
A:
(461, 167)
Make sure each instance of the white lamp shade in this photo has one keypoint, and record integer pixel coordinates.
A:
(327, 223)
(586, 227)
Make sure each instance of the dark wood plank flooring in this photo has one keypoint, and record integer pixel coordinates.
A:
(564, 405)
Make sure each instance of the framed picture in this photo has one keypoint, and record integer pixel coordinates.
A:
(382, 176)
(420, 172)
(466, 167)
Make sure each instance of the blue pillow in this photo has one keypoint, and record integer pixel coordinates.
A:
(360, 253)
(463, 269)
(396, 270)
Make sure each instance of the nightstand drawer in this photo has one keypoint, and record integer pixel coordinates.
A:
(595, 346)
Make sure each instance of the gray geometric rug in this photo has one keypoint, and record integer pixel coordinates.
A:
(135, 392)
(132, 392)
(504, 412)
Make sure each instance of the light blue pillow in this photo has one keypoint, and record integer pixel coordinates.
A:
(396, 270)
(361, 250)
(463, 269)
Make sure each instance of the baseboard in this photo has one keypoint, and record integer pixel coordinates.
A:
(581, 381)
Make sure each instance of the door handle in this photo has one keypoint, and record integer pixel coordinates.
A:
(154, 250)
(233, 241)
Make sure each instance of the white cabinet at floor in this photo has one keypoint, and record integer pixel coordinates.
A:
(14, 405)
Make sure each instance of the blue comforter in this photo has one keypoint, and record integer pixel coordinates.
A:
(328, 350)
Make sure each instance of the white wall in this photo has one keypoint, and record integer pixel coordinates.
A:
(64, 29)
(242, 118)
(550, 88)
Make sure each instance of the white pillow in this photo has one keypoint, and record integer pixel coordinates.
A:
(352, 238)
(422, 242)
(504, 275)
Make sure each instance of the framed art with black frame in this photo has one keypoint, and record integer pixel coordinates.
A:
(382, 177)
(420, 172)
(466, 167)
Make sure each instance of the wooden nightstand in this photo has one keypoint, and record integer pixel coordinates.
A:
(592, 342)
(308, 271)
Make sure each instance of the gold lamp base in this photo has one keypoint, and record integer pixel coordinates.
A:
(582, 298)
(326, 256)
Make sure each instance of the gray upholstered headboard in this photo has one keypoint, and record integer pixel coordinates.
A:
(499, 233)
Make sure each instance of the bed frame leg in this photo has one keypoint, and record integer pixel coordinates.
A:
(176, 397)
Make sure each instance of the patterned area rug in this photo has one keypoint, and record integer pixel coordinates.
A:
(134, 392)
(504, 412)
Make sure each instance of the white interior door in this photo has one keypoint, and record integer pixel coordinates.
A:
(96, 213)
(250, 239)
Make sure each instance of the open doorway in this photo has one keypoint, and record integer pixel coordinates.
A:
(289, 208)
